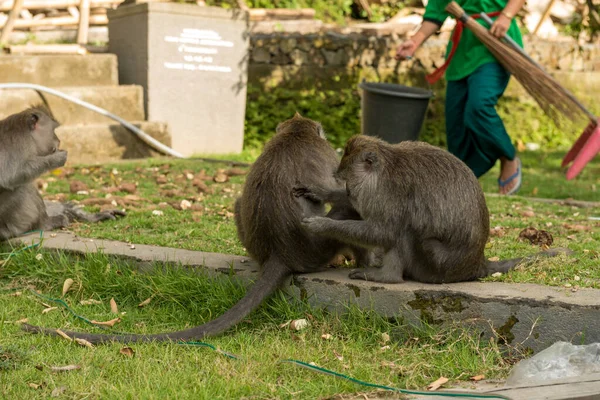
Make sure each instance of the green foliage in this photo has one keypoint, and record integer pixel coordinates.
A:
(339, 112)
(383, 12)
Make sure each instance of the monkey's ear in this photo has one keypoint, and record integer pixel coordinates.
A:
(32, 121)
(370, 157)
(297, 115)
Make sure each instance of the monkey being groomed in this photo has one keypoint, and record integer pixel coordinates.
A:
(29, 147)
(268, 218)
(421, 204)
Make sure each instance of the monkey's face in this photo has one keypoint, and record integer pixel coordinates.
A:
(41, 128)
(359, 167)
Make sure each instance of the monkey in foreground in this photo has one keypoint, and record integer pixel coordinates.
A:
(268, 217)
(421, 204)
(28, 148)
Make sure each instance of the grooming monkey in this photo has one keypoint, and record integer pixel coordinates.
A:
(421, 204)
(29, 147)
(268, 218)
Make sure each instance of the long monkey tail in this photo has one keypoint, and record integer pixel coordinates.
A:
(273, 276)
(506, 265)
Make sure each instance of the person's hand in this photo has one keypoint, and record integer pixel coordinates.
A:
(500, 26)
(406, 50)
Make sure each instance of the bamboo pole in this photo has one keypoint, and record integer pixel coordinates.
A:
(84, 22)
(10, 22)
(544, 16)
(7, 5)
(59, 21)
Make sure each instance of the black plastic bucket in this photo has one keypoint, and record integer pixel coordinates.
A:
(393, 112)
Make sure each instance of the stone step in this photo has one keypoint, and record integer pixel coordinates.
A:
(126, 102)
(101, 143)
(60, 70)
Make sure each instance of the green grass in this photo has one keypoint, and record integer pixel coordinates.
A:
(212, 228)
(415, 357)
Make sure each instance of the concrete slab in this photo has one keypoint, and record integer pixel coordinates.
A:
(60, 70)
(100, 143)
(529, 315)
(576, 388)
(125, 101)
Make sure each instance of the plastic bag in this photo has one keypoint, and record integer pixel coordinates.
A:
(561, 360)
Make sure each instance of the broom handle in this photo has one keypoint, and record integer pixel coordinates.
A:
(516, 46)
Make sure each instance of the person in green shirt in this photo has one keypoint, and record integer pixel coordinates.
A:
(475, 81)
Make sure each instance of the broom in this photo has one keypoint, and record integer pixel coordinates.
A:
(554, 100)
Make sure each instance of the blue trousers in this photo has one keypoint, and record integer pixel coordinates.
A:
(474, 131)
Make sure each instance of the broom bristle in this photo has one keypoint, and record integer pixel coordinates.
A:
(552, 98)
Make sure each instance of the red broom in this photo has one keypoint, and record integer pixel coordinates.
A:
(556, 101)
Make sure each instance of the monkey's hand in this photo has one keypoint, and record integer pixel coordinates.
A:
(56, 159)
(317, 224)
(109, 214)
(306, 192)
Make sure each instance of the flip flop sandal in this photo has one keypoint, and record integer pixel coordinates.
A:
(517, 175)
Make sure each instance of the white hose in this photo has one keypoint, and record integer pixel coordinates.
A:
(149, 140)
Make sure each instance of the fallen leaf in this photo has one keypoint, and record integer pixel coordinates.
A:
(127, 351)
(157, 213)
(59, 391)
(493, 259)
(35, 385)
(497, 274)
(84, 342)
(110, 323)
(436, 384)
(497, 231)
(185, 204)
(128, 187)
(338, 355)
(16, 294)
(236, 172)
(67, 285)
(145, 302)
(577, 227)
(536, 237)
(200, 185)
(477, 378)
(527, 213)
(285, 324)
(220, 176)
(385, 337)
(89, 302)
(64, 335)
(65, 368)
(78, 186)
(47, 310)
(298, 324)
(22, 321)
(386, 347)
(326, 336)
(161, 180)
(113, 306)
(534, 192)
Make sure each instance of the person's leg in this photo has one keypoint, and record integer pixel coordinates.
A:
(457, 138)
(490, 140)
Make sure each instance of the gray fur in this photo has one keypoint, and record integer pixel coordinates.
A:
(419, 203)
(268, 218)
(29, 148)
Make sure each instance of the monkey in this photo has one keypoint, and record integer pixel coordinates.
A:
(29, 147)
(418, 202)
(268, 216)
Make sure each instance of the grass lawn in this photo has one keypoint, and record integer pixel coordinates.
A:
(354, 343)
